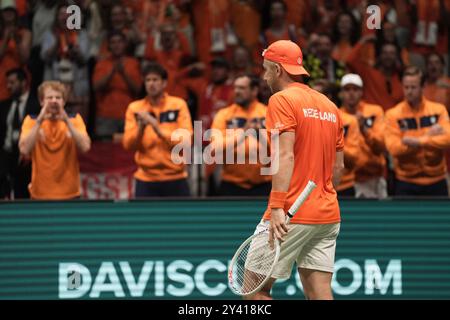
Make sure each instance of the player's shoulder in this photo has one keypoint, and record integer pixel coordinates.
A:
(397, 110)
(372, 108)
(434, 106)
(225, 112)
(177, 102)
(347, 118)
(137, 105)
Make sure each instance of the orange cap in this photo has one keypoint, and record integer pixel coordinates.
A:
(288, 54)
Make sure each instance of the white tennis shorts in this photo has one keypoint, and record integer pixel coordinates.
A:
(311, 246)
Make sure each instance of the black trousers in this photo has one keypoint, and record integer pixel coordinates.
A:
(175, 188)
(231, 189)
(349, 192)
(403, 188)
(14, 176)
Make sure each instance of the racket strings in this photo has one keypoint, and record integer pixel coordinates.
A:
(253, 265)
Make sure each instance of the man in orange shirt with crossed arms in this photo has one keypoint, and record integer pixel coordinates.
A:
(310, 148)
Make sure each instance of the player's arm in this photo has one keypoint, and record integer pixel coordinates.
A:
(352, 150)
(440, 140)
(375, 137)
(133, 132)
(78, 131)
(30, 132)
(393, 138)
(338, 168)
(281, 181)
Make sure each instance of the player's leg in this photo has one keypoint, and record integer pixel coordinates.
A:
(316, 262)
(264, 293)
(316, 284)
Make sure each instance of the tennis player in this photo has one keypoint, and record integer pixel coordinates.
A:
(310, 134)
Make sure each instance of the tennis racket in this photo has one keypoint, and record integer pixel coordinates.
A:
(254, 261)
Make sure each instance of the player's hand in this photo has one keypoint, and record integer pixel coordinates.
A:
(44, 114)
(411, 142)
(278, 228)
(435, 130)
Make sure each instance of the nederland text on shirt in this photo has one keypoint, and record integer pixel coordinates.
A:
(324, 116)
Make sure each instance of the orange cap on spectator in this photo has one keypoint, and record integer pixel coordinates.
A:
(288, 54)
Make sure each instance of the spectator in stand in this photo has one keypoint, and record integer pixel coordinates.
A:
(430, 19)
(119, 21)
(117, 82)
(382, 84)
(246, 113)
(417, 133)
(214, 35)
(321, 65)
(149, 125)
(65, 53)
(217, 94)
(242, 63)
(53, 140)
(15, 44)
(278, 29)
(437, 84)
(345, 35)
(369, 177)
(170, 49)
(16, 169)
(246, 22)
(44, 12)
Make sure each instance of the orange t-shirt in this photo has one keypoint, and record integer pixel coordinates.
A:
(248, 174)
(319, 133)
(154, 154)
(113, 102)
(55, 169)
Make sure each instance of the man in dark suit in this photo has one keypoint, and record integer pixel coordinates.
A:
(15, 171)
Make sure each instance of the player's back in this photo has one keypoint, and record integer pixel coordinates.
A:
(318, 135)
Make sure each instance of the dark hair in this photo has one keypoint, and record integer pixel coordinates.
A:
(19, 72)
(283, 4)
(155, 68)
(114, 33)
(355, 32)
(414, 71)
(441, 58)
(254, 80)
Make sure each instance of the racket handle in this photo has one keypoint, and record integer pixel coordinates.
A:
(300, 199)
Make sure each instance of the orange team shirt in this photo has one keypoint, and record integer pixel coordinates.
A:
(371, 152)
(153, 153)
(113, 101)
(377, 88)
(319, 132)
(55, 170)
(233, 117)
(352, 142)
(424, 165)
